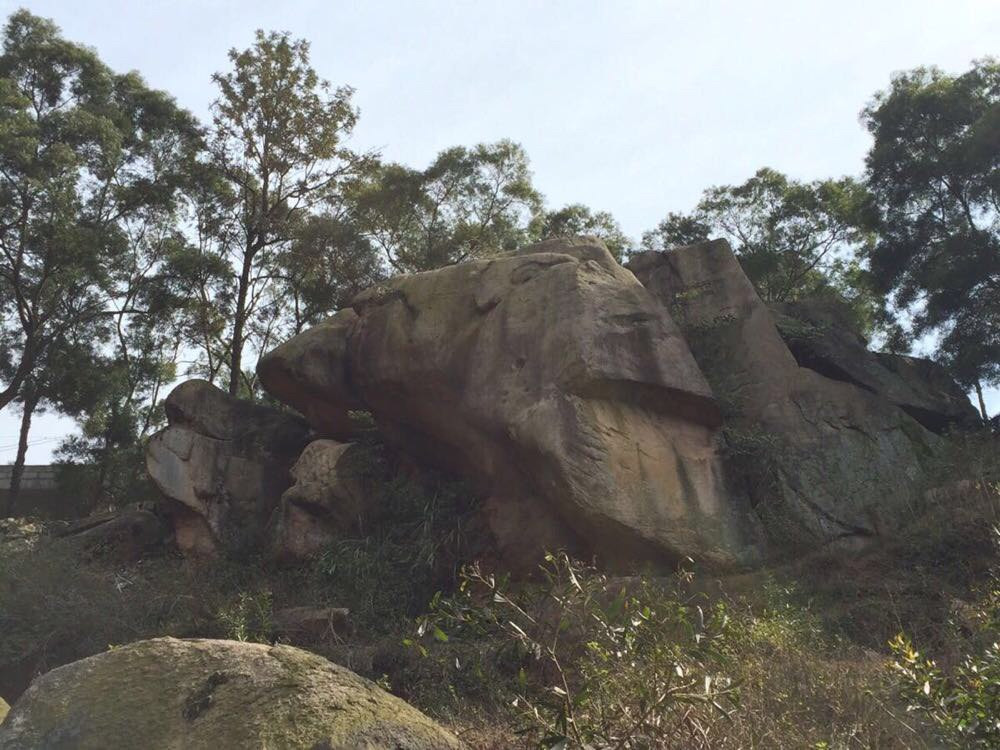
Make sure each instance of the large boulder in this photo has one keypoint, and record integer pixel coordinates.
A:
(311, 373)
(821, 430)
(332, 496)
(203, 694)
(224, 463)
(554, 381)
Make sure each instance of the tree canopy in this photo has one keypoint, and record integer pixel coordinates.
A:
(578, 219)
(793, 239)
(934, 169)
(275, 154)
(468, 203)
(89, 170)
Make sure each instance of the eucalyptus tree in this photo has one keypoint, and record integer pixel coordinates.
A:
(328, 262)
(793, 239)
(53, 381)
(277, 143)
(578, 219)
(469, 203)
(88, 157)
(934, 168)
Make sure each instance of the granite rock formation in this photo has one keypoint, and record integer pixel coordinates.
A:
(652, 412)
(207, 694)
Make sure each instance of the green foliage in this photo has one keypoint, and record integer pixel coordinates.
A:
(327, 263)
(115, 400)
(934, 169)
(793, 329)
(793, 682)
(248, 618)
(90, 164)
(964, 701)
(965, 705)
(470, 202)
(801, 683)
(602, 664)
(411, 549)
(277, 159)
(793, 239)
(56, 607)
(577, 219)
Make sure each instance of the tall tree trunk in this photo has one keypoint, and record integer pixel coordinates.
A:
(239, 324)
(17, 471)
(982, 402)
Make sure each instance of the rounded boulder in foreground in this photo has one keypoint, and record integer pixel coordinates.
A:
(193, 694)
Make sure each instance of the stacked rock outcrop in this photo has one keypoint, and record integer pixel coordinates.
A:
(652, 412)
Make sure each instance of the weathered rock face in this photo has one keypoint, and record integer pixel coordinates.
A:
(822, 427)
(651, 413)
(821, 337)
(194, 694)
(331, 496)
(553, 380)
(311, 374)
(224, 462)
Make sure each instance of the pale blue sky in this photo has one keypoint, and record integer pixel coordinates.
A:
(630, 107)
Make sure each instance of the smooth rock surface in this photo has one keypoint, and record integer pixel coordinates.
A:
(169, 694)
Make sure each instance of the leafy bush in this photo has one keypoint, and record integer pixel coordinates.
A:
(56, 607)
(627, 664)
(965, 704)
(964, 701)
(411, 550)
(802, 685)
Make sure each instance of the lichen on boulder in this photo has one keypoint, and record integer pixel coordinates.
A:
(170, 694)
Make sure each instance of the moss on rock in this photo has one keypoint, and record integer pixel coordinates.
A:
(170, 693)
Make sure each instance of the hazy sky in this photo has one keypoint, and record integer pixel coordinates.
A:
(629, 107)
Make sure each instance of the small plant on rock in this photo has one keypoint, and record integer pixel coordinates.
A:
(248, 618)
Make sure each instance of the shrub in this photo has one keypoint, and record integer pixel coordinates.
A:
(802, 685)
(628, 664)
(248, 618)
(411, 550)
(962, 702)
